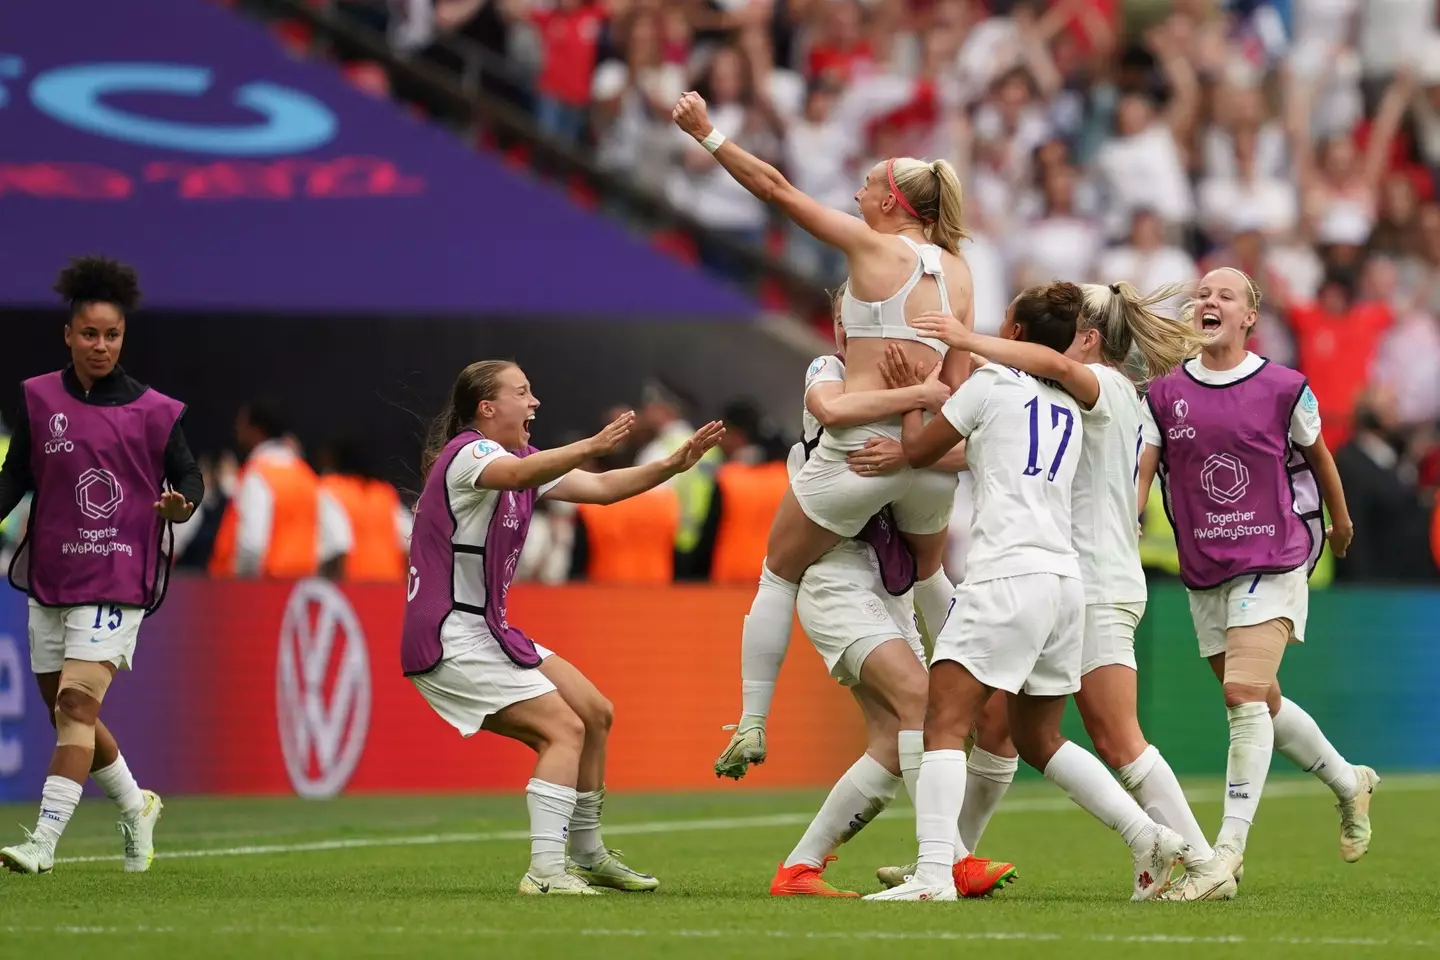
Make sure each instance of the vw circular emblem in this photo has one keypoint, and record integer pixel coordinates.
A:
(322, 689)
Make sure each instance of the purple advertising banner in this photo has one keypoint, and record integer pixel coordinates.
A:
(178, 136)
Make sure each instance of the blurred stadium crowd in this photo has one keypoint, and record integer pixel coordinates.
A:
(1138, 140)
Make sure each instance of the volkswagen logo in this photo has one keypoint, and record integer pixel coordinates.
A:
(322, 689)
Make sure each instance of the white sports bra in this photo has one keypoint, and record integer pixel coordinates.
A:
(886, 318)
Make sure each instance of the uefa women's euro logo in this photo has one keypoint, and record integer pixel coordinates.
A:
(81, 96)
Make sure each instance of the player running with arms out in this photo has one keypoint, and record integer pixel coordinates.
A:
(1244, 469)
(903, 259)
(107, 460)
(855, 605)
(1114, 320)
(1017, 622)
(476, 670)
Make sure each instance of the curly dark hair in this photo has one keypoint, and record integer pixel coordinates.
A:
(99, 280)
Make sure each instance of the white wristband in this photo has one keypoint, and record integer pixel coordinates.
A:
(712, 140)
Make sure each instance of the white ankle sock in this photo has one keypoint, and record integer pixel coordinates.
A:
(585, 843)
(1252, 741)
(939, 795)
(551, 809)
(989, 776)
(857, 798)
(763, 641)
(1090, 785)
(119, 785)
(1153, 785)
(58, 801)
(912, 749)
(932, 602)
(1298, 738)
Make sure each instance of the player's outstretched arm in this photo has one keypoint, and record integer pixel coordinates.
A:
(540, 468)
(835, 227)
(1077, 379)
(615, 485)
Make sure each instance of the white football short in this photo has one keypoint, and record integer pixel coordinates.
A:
(1110, 635)
(96, 633)
(847, 614)
(1248, 600)
(840, 500)
(1022, 634)
(478, 681)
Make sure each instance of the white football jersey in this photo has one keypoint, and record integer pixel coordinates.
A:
(1103, 502)
(1023, 445)
(826, 369)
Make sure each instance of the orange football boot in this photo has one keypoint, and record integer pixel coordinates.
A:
(803, 880)
(978, 877)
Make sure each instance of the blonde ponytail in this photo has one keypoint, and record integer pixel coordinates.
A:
(1127, 320)
(931, 193)
(949, 228)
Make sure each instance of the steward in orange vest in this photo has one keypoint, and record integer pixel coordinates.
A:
(380, 524)
(278, 523)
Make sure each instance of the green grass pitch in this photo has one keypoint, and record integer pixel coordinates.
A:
(386, 876)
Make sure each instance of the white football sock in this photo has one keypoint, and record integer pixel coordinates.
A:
(58, 801)
(932, 602)
(551, 809)
(989, 776)
(119, 785)
(763, 641)
(938, 798)
(1252, 741)
(1153, 785)
(1298, 737)
(912, 749)
(585, 843)
(1089, 784)
(857, 798)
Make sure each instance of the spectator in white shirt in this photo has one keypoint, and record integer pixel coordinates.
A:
(818, 152)
(631, 102)
(1061, 245)
(1263, 201)
(1147, 261)
(1392, 34)
(1240, 111)
(1143, 165)
(701, 187)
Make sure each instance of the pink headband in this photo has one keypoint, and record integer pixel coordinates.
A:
(900, 197)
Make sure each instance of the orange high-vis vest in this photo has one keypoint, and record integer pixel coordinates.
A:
(749, 496)
(293, 551)
(371, 506)
(632, 541)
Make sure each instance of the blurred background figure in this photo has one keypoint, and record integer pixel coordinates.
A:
(379, 523)
(665, 429)
(1380, 492)
(278, 523)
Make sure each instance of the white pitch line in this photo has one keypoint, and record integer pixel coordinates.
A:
(917, 935)
(1058, 804)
